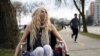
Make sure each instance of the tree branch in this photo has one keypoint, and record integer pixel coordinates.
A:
(77, 6)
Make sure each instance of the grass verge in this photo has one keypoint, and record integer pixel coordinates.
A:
(92, 35)
(5, 52)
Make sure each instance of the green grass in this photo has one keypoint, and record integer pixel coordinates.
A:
(92, 35)
(5, 52)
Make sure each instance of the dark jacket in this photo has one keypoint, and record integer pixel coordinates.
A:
(74, 23)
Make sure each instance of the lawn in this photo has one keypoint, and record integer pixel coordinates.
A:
(92, 35)
(5, 52)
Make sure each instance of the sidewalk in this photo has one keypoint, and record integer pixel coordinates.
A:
(85, 46)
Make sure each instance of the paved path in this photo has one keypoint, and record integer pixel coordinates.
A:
(85, 46)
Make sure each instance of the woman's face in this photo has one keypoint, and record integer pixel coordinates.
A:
(43, 13)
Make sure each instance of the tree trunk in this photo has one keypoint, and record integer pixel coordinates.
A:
(82, 14)
(84, 23)
(83, 17)
(8, 25)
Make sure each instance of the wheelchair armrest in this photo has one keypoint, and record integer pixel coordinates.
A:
(60, 43)
(22, 44)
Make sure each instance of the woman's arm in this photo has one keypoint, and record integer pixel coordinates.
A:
(54, 30)
(21, 40)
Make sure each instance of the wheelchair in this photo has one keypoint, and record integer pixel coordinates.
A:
(57, 46)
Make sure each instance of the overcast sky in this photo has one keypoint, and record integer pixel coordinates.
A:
(63, 12)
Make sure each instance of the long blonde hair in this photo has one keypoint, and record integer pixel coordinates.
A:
(36, 24)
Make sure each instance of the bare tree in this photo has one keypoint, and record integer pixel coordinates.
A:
(81, 11)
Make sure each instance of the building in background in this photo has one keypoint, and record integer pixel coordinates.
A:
(97, 13)
(90, 14)
(91, 8)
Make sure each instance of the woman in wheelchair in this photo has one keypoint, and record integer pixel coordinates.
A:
(39, 37)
